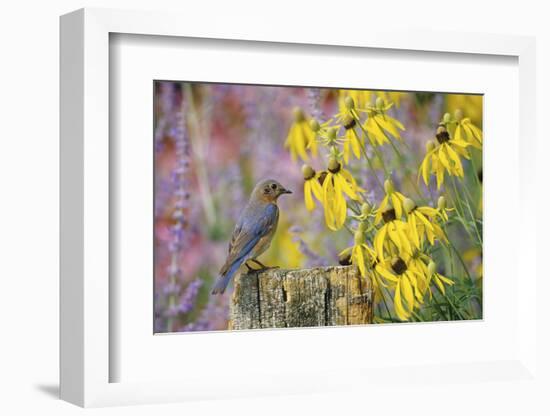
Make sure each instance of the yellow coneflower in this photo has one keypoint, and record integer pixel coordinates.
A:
(404, 276)
(300, 137)
(443, 157)
(427, 273)
(379, 124)
(392, 198)
(467, 131)
(394, 231)
(311, 187)
(418, 262)
(365, 214)
(421, 224)
(328, 135)
(442, 208)
(348, 118)
(364, 257)
(336, 183)
(439, 279)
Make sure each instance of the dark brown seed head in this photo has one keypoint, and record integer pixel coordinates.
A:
(334, 166)
(398, 265)
(348, 122)
(388, 215)
(308, 172)
(345, 259)
(442, 135)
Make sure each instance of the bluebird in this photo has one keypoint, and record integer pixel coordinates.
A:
(253, 232)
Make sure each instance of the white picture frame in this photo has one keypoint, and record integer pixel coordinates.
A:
(86, 305)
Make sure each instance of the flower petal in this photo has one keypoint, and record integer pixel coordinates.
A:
(398, 305)
(308, 199)
(397, 205)
(379, 239)
(407, 290)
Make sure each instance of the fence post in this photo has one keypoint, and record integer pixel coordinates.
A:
(323, 296)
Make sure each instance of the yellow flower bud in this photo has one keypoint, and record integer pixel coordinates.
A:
(314, 124)
(298, 114)
(331, 133)
(380, 103)
(365, 209)
(349, 103)
(388, 186)
(431, 268)
(409, 205)
(430, 145)
(442, 203)
(333, 165)
(308, 172)
(458, 114)
(446, 118)
(363, 226)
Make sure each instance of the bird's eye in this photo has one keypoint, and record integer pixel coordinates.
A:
(273, 186)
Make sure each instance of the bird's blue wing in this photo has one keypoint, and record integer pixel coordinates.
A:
(248, 232)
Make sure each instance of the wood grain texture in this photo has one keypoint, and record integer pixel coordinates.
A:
(277, 298)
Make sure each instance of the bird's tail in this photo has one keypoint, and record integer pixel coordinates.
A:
(223, 280)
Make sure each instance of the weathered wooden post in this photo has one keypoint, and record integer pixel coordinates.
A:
(278, 298)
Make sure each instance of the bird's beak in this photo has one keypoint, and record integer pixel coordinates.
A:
(286, 191)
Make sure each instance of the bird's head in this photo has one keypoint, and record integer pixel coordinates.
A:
(269, 190)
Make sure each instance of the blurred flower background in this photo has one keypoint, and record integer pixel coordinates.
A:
(213, 142)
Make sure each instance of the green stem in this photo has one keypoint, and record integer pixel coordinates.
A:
(418, 317)
(458, 204)
(357, 208)
(349, 229)
(374, 148)
(460, 259)
(364, 150)
(451, 304)
(450, 256)
(440, 311)
(382, 162)
(399, 155)
(474, 221)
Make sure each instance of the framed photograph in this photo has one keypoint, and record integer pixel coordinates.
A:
(247, 215)
(386, 184)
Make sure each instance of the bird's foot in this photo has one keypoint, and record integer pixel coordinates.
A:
(262, 268)
(252, 269)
